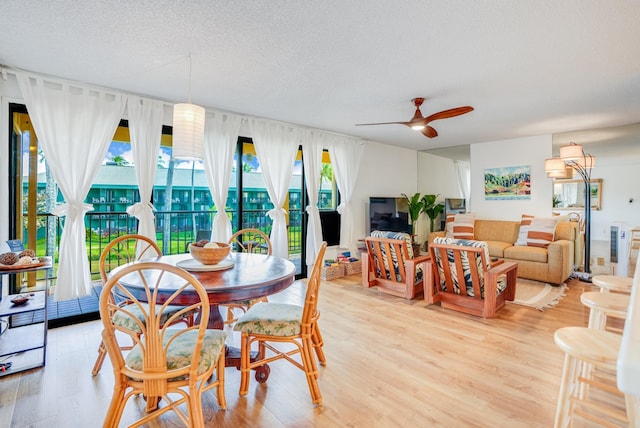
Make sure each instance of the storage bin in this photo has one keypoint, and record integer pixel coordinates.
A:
(332, 272)
(352, 268)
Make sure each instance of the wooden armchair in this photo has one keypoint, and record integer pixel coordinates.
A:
(465, 280)
(391, 266)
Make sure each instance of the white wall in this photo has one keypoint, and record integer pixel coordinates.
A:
(620, 177)
(531, 151)
(436, 176)
(385, 171)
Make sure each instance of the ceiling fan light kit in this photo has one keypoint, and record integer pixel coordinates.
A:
(420, 123)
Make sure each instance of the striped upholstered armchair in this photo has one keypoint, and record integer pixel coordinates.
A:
(465, 279)
(391, 265)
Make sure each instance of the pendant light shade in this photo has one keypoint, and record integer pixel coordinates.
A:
(188, 131)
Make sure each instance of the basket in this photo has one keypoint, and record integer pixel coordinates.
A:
(353, 268)
(332, 272)
(210, 255)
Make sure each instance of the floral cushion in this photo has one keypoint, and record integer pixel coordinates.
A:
(273, 319)
(180, 351)
(502, 280)
(122, 319)
(394, 256)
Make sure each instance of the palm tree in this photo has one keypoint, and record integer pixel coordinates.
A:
(119, 160)
(168, 198)
(51, 192)
(326, 173)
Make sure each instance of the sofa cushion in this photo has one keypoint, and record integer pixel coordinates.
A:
(529, 254)
(541, 232)
(497, 248)
(496, 230)
(460, 226)
(525, 222)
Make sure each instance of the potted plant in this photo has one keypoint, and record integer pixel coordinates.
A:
(432, 208)
(415, 208)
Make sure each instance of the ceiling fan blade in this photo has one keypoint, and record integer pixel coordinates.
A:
(448, 113)
(429, 132)
(384, 123)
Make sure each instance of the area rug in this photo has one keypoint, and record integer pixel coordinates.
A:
(538, 295)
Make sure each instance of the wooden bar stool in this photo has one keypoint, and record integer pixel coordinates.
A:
(583, 345)
(620, 284)
(603, 305)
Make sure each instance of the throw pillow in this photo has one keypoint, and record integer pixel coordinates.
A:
(541, 232)
(525, 222)
(460, 226)
(449, 225)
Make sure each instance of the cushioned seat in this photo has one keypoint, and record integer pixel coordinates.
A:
(392, 266)
(274, 319)
(267, 324)
(167, 364)
(394, 256)
(464, 279)
(122, 250)
(525, 253)
(497, 248)
(464, 257)
(179, 352)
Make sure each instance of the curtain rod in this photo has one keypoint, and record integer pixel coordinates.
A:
(5, 70)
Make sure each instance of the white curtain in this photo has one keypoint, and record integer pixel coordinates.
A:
(346, 156)
(312, 144)
(220, 137)
(276, 146)
(145, 129)
(463, 175)
(75, 126)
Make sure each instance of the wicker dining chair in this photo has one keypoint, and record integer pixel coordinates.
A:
(122, 250)
(168, 363)
(248, 240)
(270, 323)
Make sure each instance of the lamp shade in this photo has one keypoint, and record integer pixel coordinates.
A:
(554, 165)
(571, 152)
(188, 131)
(566, 173)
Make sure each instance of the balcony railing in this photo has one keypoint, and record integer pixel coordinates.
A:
(174, 230)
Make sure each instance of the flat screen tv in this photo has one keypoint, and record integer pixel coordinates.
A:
(455, 205)
(389, 213)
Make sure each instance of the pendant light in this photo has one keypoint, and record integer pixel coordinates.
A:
(188, 129)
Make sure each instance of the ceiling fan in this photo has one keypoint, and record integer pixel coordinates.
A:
(420, 123)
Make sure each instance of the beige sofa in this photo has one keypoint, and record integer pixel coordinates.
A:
(553, 264)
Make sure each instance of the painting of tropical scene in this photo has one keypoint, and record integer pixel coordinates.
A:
(511, 182)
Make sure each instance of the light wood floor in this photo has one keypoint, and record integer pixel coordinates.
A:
(390, 363)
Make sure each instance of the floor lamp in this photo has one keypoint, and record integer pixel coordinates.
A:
(574, 159)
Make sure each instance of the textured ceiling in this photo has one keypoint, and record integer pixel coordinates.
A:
(528, 67)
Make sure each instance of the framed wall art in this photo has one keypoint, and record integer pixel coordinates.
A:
(511, 182)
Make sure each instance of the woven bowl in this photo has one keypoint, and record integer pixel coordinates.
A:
(210, 255)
